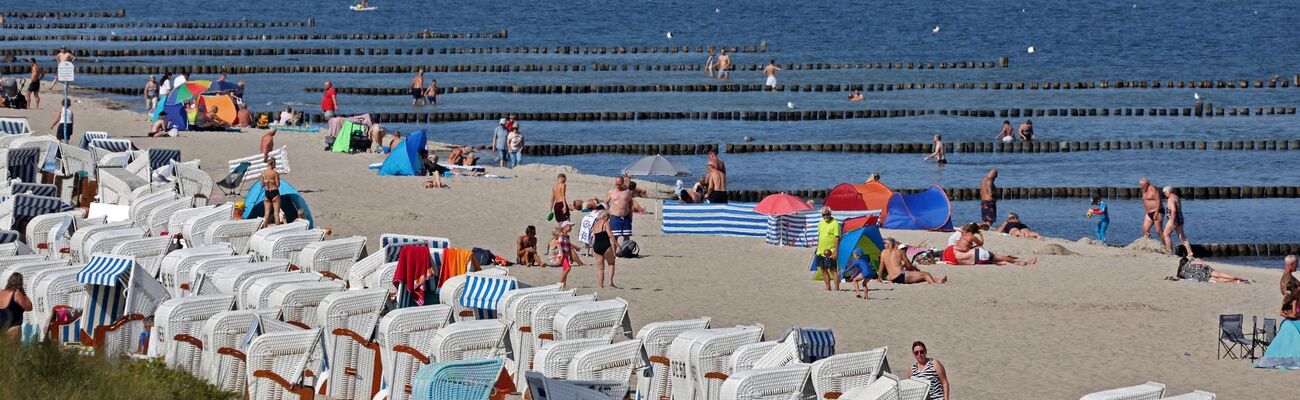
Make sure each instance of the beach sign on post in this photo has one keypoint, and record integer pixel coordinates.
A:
(67, 72)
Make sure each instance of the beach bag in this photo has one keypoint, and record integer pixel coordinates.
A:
(628, 249)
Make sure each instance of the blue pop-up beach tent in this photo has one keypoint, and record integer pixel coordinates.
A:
(177, 116)
(405, 160)
(867, 238)
(291, 202)
(928, 210)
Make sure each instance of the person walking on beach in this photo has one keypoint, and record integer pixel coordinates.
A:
(937, 153)
(499, 144)
(715, 186)
(64, 123)
(989, 199)
(619, 200)
(828, 243)
(1174, 205)
(515, 143)
(1005, 136)
(417, 87)
(604, 247)
(708, 64)
(770, 71)
(929, 370)
(151, 93)
(1154, 211)
(34, 85)
(268, 144)
(1103, 221)
(271, 200)
(559, 199)
(724, 65)
(1026, 131)
(329, 102)
(431, 93)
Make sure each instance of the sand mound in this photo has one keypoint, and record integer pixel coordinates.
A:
(548, 169)
(1148, 245)
(1054, 250)
(1089, 241)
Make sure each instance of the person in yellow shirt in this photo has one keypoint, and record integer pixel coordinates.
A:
(828, 240)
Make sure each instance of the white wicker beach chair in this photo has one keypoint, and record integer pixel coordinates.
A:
(611, 362)
(103, 242)
(1146, 391)
(174, 268)
(41, 143)
(10, 126)
(140, 208)
(509, 311)
(121, 296)
(234, 232)
(74, 159)
(6, 261)
(39, 228)
(31, 272)
(652, 380)
(77, 244)
(262, 235)
(362, 270)
(178, 329)
(297, 302)
(394, 239)
(883, 388)
(55, 287)
(401, 332)
(348, 320)
(256, 291)
(176, 223)
(452, 289)
(913, 389)
(223, 362)
(788, 382)
(543, 318)
(601, 319)
(839, 373)
(117, 184)
(700, 351)
(148, 252)
(1197, 395)
(284, 246)
(228, 280)
(110, 159)
(160, 216)
(187, 280)
(331, 258)
(193, 182)
(744, 358)
(280, 365)
(468, 340)
(553, 359)
(195, 230)
(383, 278)
(34, 280)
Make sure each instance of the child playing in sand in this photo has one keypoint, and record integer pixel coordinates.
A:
(566, 255)
(859, 270)
(1099, 208)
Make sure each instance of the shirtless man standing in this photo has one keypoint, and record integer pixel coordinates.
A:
(417, 88)
(1005, 136)
(271, 201)
(1026, 131)
(619, 200)
(724, 65)
(1174, 204)
(1151, 203)
(770, 71)
(989, 199)
(900, 270)
(64, 55)
(938, 152)
(715, 186)
(34, 86)
(717, 162)
(559, 199)
(268, 143)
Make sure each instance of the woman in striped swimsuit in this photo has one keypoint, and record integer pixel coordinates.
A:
(930, 370)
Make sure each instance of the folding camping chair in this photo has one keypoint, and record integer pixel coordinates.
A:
(231, 183)
(1231, 336)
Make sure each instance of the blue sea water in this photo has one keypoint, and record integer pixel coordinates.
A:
(1091, 40)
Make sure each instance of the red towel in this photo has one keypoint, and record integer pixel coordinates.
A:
(414, 268)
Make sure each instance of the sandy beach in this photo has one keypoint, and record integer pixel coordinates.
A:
(1071, 325)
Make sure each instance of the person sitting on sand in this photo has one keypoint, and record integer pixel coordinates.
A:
(433, 169)
(161, 126)
(1197, 270)
(526, 248)
(969, 251)
(243, 118)
(859, 271)
(376, 134)
(1012, 226)
(898, 269)
(856, 96)
(286, 116)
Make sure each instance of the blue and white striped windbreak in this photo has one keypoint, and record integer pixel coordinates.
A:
(38, 189)
(734, 219)
(162, 157)
(113, 145)
(483, 292)
(106, 270)
(91, 135)
(23, 163)
(815, 344)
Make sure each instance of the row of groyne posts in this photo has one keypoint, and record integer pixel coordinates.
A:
(383, 51)
(1205, 110)
(677, 149)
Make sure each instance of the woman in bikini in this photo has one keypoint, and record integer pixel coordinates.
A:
(1012, 226)
(271, 202)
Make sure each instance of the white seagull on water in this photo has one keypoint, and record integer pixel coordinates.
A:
(1196, 96)
(670, 35)
(936, 29)
(1030, 50)
(790, 105)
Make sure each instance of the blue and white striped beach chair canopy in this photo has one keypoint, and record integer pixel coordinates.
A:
(20, 164)
(112, 145)
(26, 207)
(92, 135)
(38, 189)
(106, 279)
(814, 343)
(392, 243)
(482, 293)
(106, 270)
(15, 126)
(8, 236)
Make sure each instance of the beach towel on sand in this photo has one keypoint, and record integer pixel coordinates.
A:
(414, 269)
